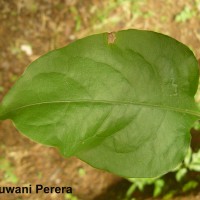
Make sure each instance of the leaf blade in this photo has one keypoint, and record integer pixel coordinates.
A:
(115, 101)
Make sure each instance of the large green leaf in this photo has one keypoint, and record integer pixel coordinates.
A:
(121, 102)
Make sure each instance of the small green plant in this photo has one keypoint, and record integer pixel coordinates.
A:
(8, 171)
(81, 172)
(141, 183)
(190, 163)
(122, 102)
(186, 14)
(70, 197)
(78, 22)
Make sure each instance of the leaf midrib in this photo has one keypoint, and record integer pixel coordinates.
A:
(162, 107)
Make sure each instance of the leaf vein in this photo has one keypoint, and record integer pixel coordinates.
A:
(108, 102)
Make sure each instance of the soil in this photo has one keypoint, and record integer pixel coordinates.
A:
(45, 25)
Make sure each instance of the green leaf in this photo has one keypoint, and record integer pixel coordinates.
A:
(130, 191)
(121, 102)
(159, 184)
(188, 157)
(195, 162)
(70, 197)
(180, 174)
(169, 195)
(190, 186)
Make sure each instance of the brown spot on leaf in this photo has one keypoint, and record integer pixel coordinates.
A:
(111, 37)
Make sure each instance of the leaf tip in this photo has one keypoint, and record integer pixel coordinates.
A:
(111, 37)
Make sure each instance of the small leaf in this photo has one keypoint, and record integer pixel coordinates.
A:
(195, 162)
(130, 191)
(188, 157)
(158, 186)
(81, 172)
(180, 174)
(169, 195)
(124, 106)
(190, 185)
